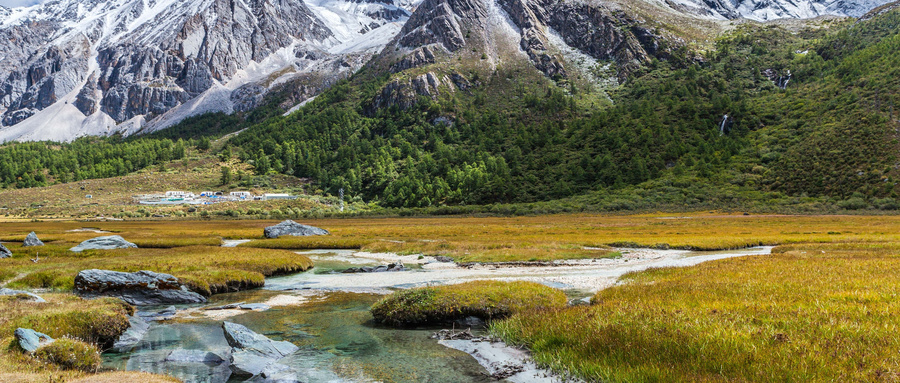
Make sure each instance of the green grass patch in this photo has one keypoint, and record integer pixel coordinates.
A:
(809, 312)
(484, 299)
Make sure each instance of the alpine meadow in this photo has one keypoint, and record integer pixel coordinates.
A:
(449, 191)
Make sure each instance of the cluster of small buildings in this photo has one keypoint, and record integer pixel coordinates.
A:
(177, 197)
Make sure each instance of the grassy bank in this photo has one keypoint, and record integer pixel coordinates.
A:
(205, 269)
(483, 299)
(808, 312)
(82, 328)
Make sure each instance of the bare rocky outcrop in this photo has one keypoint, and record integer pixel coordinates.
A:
(405, 93)
(291, 228)
(438, 22)
(4, 252)
(138, 288)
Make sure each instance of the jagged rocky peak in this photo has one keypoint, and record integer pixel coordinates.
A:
(72, 67)
(443, 22)
(506, 32)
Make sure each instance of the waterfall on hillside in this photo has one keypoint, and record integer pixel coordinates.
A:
(786, 79)
(722, 125)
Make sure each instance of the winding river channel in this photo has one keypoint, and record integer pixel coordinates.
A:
(325, 313)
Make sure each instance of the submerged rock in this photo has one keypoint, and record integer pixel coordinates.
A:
(194, 356)
(137, 328)
(376, 269)
(139, 288)
(289, 227)
(162, 315)
(104, 243)
(31, 340)
(31, 296)
(32, 240)
(253, 353)
(4, 252)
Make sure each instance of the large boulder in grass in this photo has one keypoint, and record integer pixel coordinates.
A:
(292, 228)
(104, 243)
(4, 252)
(30, 340)
(255, 354)
(32, 240)
(140, 288)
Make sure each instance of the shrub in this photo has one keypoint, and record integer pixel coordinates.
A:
(70, 354)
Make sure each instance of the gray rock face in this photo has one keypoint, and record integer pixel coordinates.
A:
(438, 22)
(530, 17)
(32, 240)
(31, 296)
(139, 288)
(137, 328)
(419, 57)
(31, 340)
(289, 227)
(104, 243)
(4, 252)
(253, 353)
(405, 93)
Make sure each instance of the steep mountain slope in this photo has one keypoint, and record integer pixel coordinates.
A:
(73, 68)
(445, 116)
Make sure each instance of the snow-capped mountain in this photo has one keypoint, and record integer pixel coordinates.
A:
(91, 67)
(765, 10)
(70, 68)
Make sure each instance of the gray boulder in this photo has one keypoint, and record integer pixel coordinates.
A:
(137, 328)
(253, 353)
(104, 243)
(289, 227)
(32, 240)
(31, 340)
(33, 297)
(139, 288)
(4, 252)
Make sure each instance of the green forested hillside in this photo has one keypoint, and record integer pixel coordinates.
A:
(516, 137)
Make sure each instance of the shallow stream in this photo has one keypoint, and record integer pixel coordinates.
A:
(326, 315)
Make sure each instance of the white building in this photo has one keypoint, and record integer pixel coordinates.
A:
(179, 194)
(241, 194)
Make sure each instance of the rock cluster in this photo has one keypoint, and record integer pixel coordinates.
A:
(256, 355)
(104, 243)
(376, 269)
(139, 288)
(32, 240)
(30, 340)
(4, 252)
(289, 227)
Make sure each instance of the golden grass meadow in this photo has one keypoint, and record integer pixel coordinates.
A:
(822, 307)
